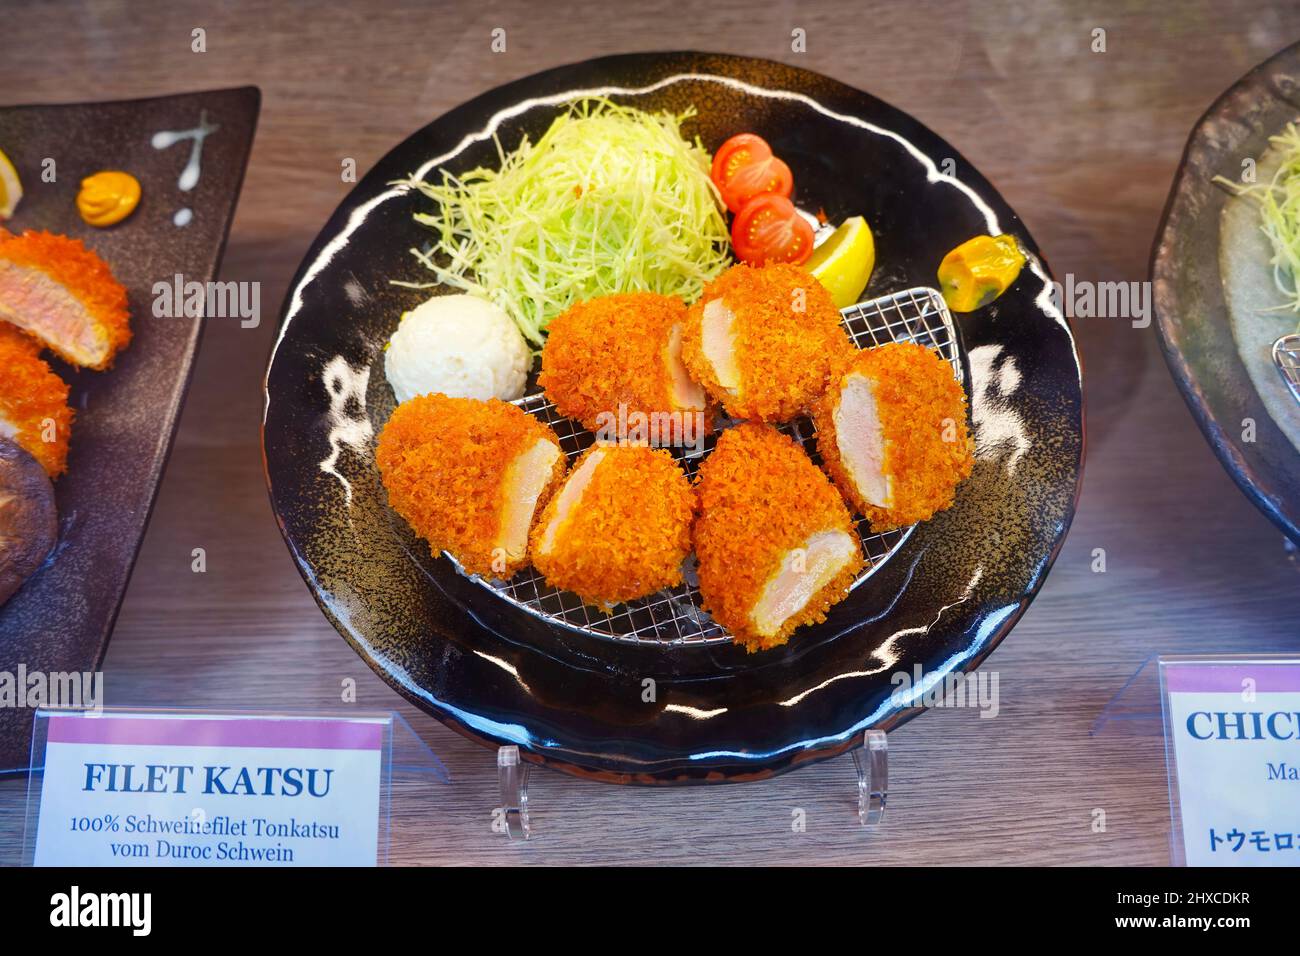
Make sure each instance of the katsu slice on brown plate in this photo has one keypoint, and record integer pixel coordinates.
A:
(56, 296)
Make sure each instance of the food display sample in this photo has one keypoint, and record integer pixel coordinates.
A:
(642, 222)
(892, 423)
(620, 526)
(34, 410)
(64, 295)
(615, 352)
(60, 297)
(764, 342)
(776, 545)
(102, 204)
(469, 476)
(892, 432)
(605, 243)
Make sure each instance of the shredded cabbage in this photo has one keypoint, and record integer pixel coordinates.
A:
(1279, 211)
(610, 199)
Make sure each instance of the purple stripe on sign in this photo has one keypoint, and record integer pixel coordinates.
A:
(217, 732)
(1229, 678)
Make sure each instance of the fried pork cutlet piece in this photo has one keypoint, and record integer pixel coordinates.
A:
(619, 528)
(34, 410)
(765, 342)
(64, 295)
(617, 350)
(469, 477)
(776, 546)
(892, 434)
(28, 520)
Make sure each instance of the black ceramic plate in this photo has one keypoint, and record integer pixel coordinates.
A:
(576, 701)
(1191, 313)
(61, 619)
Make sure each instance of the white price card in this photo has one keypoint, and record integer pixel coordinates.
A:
(166, 789)
(1233, 747)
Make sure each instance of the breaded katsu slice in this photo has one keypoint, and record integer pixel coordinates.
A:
(892, 434)
(764, 342)
(776, 546)
(469, 477)
(64, 295)
(34, 410)
(620, 526)
(623, 349)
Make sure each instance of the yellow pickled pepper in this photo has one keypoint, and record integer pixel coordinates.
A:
(979, 270)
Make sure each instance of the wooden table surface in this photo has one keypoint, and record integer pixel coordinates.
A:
(1084, 145)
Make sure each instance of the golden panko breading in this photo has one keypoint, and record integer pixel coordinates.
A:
(469, 477)
(65, 295)
(618, 350)
(775, 543)
(765, 342)
(620, 526)
(34, 408)
(892, 434)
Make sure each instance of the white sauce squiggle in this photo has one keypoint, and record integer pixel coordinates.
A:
(165, 139)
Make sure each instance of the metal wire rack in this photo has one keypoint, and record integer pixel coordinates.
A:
(673, 616)
(1286, 356)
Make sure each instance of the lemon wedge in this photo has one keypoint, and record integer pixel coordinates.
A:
(11, 190)
(843, 263)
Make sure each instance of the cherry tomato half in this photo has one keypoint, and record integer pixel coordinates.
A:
(738, 151)
(769, 175)
(770, 229)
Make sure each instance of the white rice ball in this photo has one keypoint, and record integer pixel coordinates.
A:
(460, 345)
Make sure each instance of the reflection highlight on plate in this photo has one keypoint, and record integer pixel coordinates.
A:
(346, 388)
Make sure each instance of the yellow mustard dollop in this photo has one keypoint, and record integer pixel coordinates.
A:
(108, 197)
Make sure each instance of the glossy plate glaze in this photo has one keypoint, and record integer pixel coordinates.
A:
(583, 703)
(1188, 291)
(61, 619)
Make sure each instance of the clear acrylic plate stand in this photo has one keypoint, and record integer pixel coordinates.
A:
(870, 760)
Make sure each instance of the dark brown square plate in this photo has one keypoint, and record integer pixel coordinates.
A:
(60, 620)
